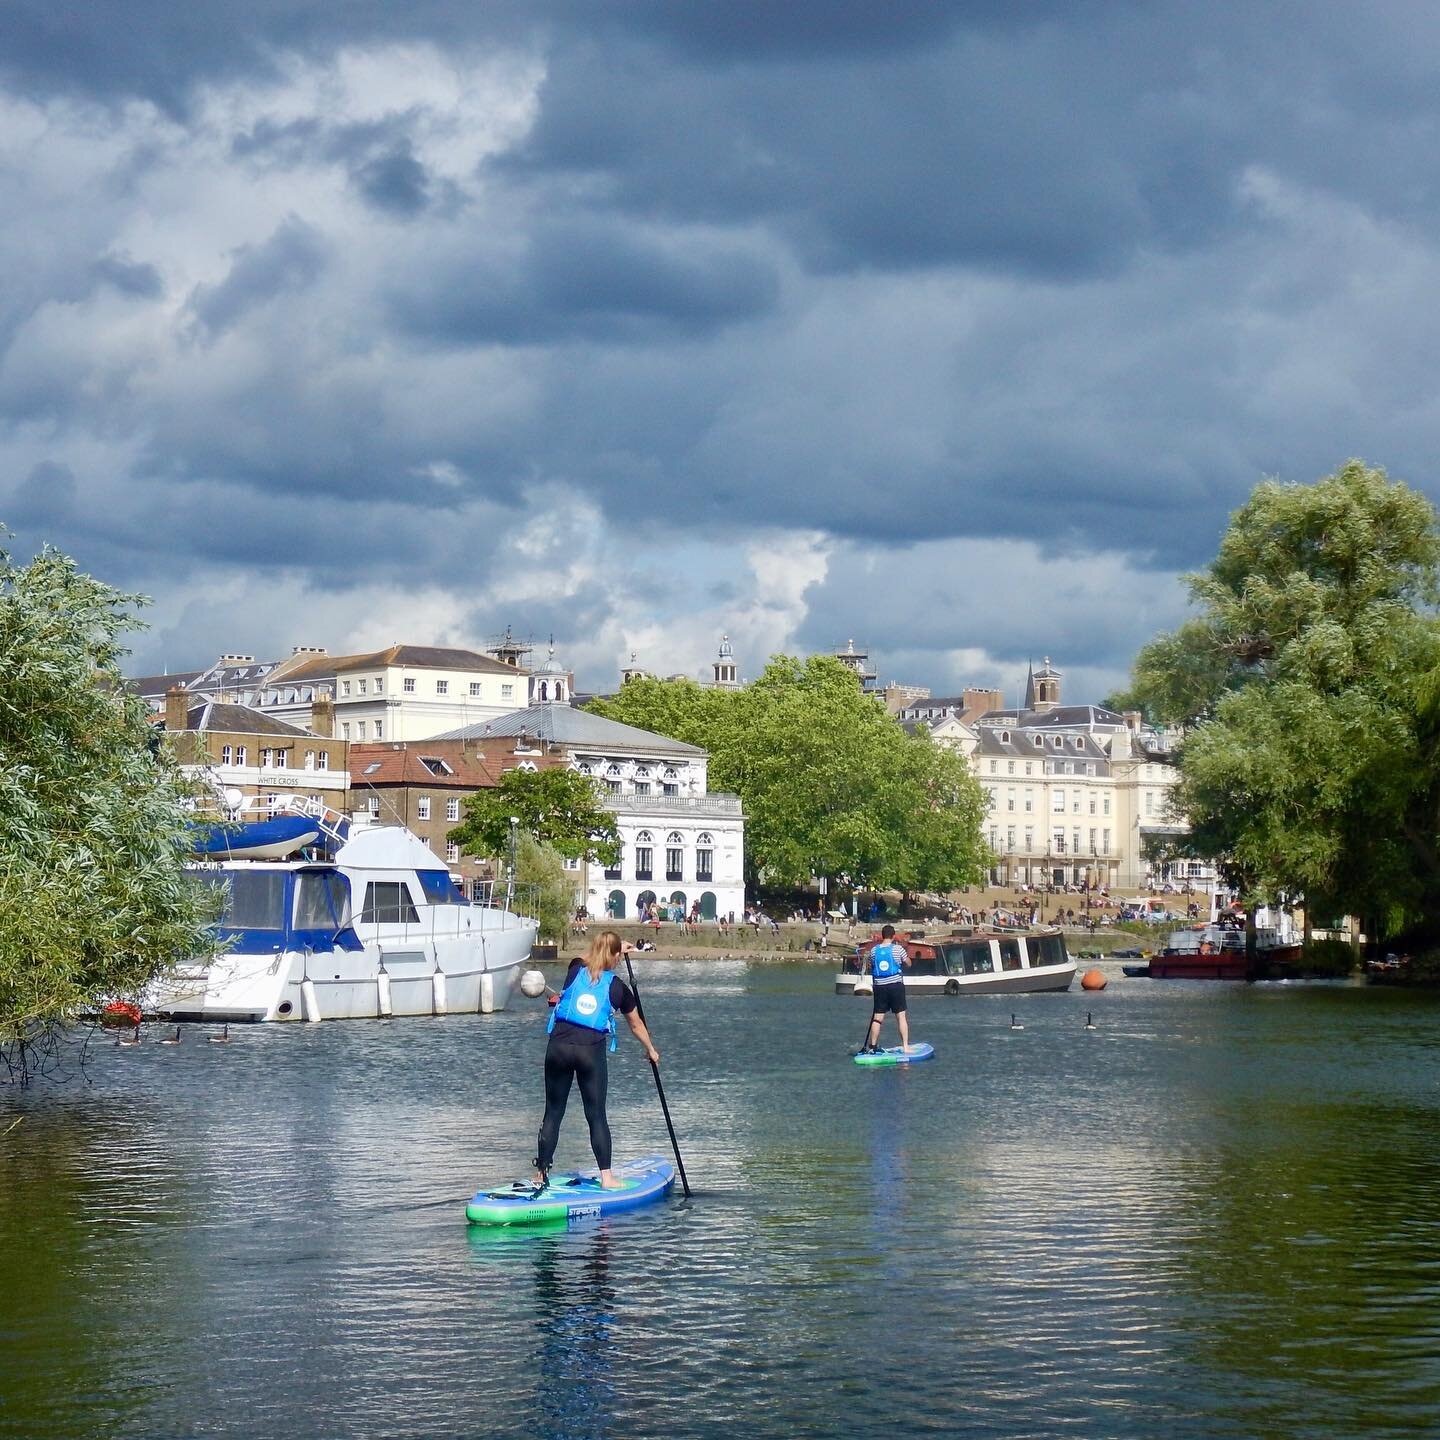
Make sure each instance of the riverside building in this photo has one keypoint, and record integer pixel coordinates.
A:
(1078, 794)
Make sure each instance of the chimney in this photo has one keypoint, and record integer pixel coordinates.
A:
(322, 717)
(308, 650)
(177, 708)
(1132, 719)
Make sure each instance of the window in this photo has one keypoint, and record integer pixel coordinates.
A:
(322, 901)
(994, 837)
(364, 686)
(1029, 800)
(225, 753)
(1009, 839)
(583, 768)
(309, 759)
(674, 856)
(282, 758)
(1048, 950)
(644, 855)
(1058, 742)
(360, 728)
(1079, 742)
(1029, 837)
(507, 692)
(372, 767)
(1057, 841)
(994, 767)
(452, 851)
(1004, 737)
(345, 687)
(1009, 767)
(613, 786)
(408, 684)
(1009, 954)
(1057, 803)
(379, 733)
(437, 766)
(1092, 804)
(322, 760)
(1092, 839)
(474, 687)
(1010, 800)
(704, 858)
(1028, 765)
(345, 730)
(388, 902)
(641, 787)
(1039, 741)
(289, 697)
(669, 789)
(1106, 840)
(442, 687)
(1075, 803)
(1149, 802)
(422, 808)
(379, 684)
(1105, 805)
(1089, 767)
(254, 899)
(239, 754)
(372, 804)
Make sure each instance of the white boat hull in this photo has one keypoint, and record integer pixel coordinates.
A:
(477, 973)
(1005, 982)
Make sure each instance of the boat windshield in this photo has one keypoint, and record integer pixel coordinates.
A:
(322, 900)
(253, 899)
(1048, 950)
(439, 889)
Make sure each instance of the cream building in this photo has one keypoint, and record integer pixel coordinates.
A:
(1078, 794)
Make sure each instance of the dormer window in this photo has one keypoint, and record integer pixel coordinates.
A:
(1039, 741)
(1004, 737)
(1079, 742)
(1059, 743)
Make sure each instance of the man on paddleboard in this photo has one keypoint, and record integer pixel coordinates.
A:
(581, 1024)
(887, 979)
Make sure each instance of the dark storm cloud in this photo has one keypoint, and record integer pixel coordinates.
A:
(288, 261)
(1073, 275)
(581, 278)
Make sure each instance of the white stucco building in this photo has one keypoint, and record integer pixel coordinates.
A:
(681, 843)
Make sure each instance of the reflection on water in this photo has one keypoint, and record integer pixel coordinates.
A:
(1216, 1214)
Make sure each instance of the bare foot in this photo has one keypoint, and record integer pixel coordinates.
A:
(609, 1182)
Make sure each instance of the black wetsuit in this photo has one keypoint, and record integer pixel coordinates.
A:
(576, 1052)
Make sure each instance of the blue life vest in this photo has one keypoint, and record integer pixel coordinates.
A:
(586, 1003)
(885, 961)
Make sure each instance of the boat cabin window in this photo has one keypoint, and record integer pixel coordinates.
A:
(322, 900)
(1009, 954)
(388, 902)
(254, 899)
(971, 958)
(926, 962)
(439, 888)
(1047, 950)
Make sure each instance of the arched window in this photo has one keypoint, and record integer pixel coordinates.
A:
(642, 772)
(644, 838)
(674, 856)
(645, 856)
(705, 861)
(544, 693)
(1005, 737)
(527, 765)
(612, 772)
(584, 768)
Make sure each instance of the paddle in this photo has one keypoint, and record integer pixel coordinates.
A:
(659, 1088)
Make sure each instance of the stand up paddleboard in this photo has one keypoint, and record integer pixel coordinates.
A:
(573, 1195)
(897, 1055)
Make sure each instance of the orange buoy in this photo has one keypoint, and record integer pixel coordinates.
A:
(1093, 980)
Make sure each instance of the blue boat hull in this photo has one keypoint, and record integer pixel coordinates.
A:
(271, 839)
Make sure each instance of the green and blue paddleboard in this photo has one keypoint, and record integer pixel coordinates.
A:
(897, 1055)
(573, 1195)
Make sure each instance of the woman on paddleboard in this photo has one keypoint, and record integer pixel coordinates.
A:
(582, 1027)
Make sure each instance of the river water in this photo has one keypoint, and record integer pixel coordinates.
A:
(1216, 1214)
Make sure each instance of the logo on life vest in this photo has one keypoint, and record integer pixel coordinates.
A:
(587, 1004)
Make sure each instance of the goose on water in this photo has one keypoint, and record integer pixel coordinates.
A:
(172, 1039)
(223, 1038)
(133, 1040)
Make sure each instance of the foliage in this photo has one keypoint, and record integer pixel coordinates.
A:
(1298, 682)
(559, 807)
(93, 897)
(831, 784)
(540, 871)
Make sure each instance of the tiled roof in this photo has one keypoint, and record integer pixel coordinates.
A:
(578, 729)
(427, 657)
(240, 720)
(155, 686)
(450, 766)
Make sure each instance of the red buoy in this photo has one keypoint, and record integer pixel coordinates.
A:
(1093, 980)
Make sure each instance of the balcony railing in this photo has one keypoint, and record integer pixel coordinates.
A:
(713, 805)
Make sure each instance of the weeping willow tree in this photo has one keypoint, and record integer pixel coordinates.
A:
(93, 898)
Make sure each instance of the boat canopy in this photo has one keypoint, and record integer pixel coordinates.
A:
(266, 909)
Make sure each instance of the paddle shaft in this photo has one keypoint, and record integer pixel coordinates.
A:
(659, 1088)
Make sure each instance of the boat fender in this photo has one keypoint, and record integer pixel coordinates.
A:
(308, 1000)
(437, 982)
(382, 999)
(487, 994)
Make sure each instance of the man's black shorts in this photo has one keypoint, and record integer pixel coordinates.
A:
(890, 999)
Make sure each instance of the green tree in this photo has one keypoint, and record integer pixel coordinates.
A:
(1299, 683)
(94, 901)
(560, 808)
(832, 785)
(547, 888)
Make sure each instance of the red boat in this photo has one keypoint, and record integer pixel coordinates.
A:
(1217, 952)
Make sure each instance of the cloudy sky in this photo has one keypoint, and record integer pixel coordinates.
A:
(955, 328)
